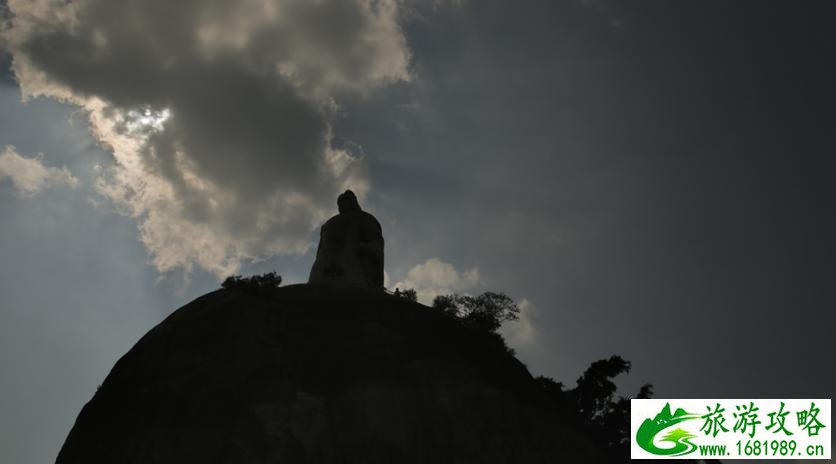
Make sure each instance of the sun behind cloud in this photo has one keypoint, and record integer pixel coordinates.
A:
(218, 114)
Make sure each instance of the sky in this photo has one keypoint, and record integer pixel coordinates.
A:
(651, 179)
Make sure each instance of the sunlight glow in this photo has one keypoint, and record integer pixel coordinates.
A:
(147, 119)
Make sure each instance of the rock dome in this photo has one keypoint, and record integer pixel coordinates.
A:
(317, 374)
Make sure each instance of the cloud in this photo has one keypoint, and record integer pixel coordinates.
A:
(218, 114)
(436, 277)
(29, 176)
(523, 332)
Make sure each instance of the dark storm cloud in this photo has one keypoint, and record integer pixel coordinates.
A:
(218, 114)
(669, 173)
(6, 76)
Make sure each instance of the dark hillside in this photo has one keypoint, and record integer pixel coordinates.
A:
(309, 373)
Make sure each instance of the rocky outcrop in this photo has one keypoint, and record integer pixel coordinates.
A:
(317, 374)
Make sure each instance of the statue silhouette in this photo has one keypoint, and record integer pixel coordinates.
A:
(350, 247)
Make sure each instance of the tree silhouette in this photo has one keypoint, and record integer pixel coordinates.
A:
(410, 294)
(253, 283)
(593, 406)
(485, 312)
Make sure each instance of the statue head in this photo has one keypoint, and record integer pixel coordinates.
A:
(347, 202)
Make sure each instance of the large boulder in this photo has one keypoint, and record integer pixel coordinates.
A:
(317, 374)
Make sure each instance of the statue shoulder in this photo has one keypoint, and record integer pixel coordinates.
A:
(329, 222)
(371, 220)
(369, 216)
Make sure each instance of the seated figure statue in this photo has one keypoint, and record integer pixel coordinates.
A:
(350, 247)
